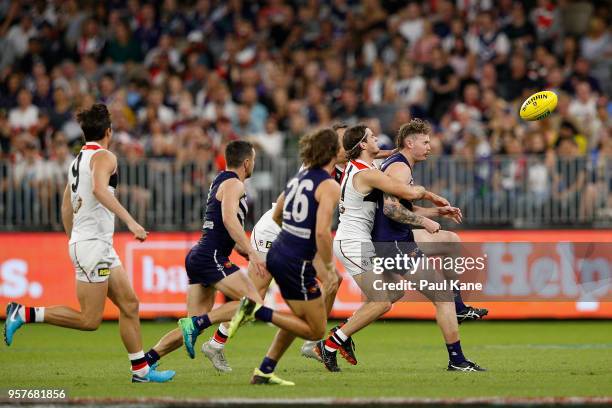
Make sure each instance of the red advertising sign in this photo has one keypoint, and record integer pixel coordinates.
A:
(35, 269)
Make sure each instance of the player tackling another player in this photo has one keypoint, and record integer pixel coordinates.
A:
(368, 215)
(88, 212)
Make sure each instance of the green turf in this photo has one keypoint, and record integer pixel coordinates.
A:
(396, 359)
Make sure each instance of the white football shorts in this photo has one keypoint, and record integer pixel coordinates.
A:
(93, 260)
(356, 256)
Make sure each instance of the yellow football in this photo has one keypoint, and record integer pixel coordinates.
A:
(539, 105)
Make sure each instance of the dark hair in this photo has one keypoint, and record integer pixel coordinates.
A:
(94, 122)
(414, 127)
(319, 148)
(352, 137)
(237, 152)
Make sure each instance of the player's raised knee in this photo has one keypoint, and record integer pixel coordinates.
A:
(384, 307)
(91, 323)
(317, 333)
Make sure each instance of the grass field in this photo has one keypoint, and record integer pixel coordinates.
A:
(396, 359)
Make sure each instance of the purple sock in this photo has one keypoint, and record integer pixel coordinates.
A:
(267, 365)
(201, 322)
(264, 314)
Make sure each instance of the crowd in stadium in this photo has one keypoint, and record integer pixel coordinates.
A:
(181, 79)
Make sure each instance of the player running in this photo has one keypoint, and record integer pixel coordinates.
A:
(310, 200)
(89, 207)
(207, 263)
(263, 235)
(392, 224)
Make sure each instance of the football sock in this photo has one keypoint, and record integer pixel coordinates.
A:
(32, 314)
(140, 367)
(220, 337)
(201, 322)
(335, 341)
(152, 357)
(455, 354)
(267, 365)
(264, 314)
(459, 305)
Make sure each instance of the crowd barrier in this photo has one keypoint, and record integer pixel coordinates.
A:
(35, 269)
(497, 192)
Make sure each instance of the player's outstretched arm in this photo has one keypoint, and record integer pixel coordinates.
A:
(233, 190)
(277, 214)
(103, 165)
(328, 195)
(67, 211)
(447, 211)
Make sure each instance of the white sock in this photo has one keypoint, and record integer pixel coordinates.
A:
(341, 335)
(214, 343)
(40, 315)
(139, 369)
(222, 329)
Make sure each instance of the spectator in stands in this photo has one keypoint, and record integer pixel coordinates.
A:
(25, 115)
(177, 74)
(258, 112)
(410, 88)
(520, 31)
(597, 44)
(271, 140)
(487, 41)
(443, 82)
(90, 42)
(569, 177)
(123, 47)
(20, 34)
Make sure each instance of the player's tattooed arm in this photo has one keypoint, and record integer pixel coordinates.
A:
(397, 212)
(393, 209)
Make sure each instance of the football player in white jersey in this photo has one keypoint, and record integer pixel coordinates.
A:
(88, 212)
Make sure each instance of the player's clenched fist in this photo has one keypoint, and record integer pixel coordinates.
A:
(139, 232)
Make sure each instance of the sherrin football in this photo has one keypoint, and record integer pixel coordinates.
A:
(539, 105)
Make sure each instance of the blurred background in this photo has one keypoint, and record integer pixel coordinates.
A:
(183, 78)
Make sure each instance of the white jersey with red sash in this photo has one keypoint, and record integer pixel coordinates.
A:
(357, 210)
